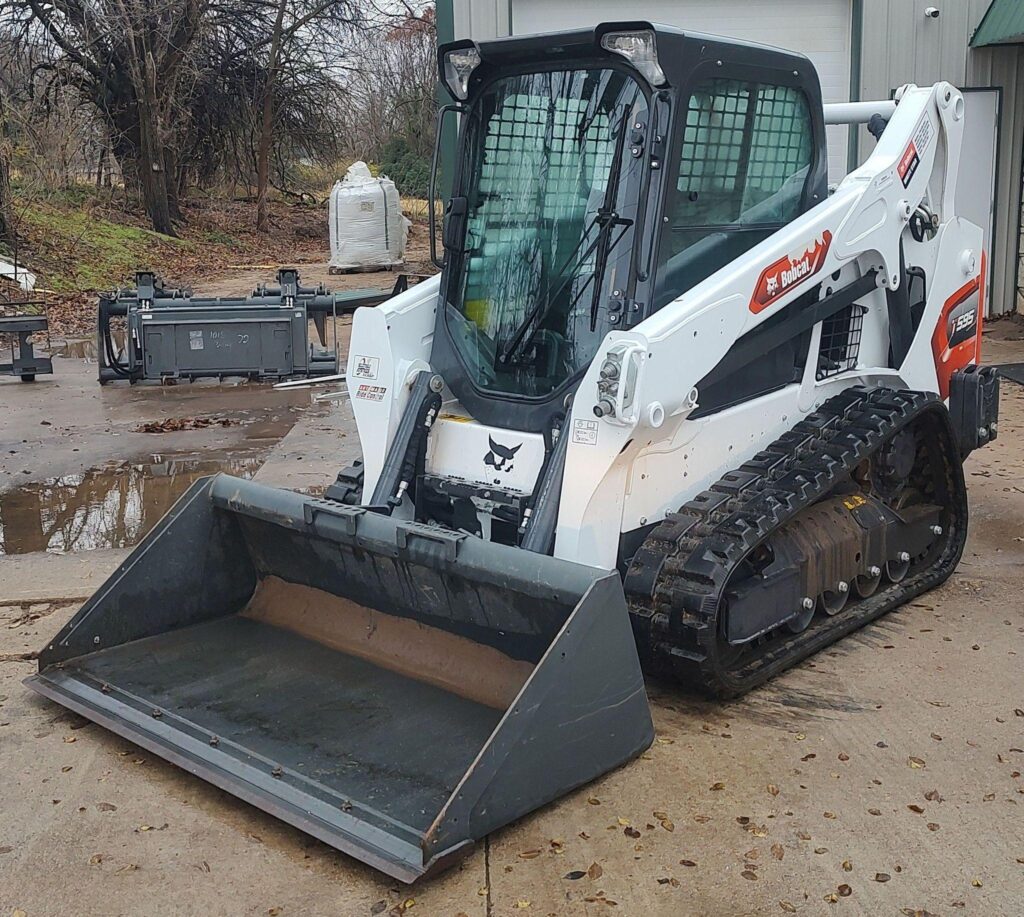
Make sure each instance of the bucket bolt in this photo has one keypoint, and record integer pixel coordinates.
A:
(807, 603)
(874, 571)
(903, 557)
(936, 529)
(843, 586)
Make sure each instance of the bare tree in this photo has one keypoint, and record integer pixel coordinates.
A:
(125, 57)
(7, 234)
(295, 21)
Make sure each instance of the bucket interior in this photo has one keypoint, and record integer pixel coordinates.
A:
(389, 744)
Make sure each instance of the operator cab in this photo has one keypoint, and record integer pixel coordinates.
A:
(600, 175)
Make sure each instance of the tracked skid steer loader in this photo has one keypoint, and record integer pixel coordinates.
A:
(671, 405)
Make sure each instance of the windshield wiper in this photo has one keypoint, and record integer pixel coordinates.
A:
(606, 218)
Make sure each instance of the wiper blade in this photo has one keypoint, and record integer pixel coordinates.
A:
(611, 194)
(607, 218)
(539, 311)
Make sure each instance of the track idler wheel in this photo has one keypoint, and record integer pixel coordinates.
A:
(866, 584)
(897, 569)
(833, 601)
(799, 624)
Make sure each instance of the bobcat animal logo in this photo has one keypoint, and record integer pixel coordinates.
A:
(500, 457)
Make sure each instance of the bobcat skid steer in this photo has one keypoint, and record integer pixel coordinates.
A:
(670, 406)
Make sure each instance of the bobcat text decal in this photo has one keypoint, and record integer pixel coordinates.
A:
(788, 272)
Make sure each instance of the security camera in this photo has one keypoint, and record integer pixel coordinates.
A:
(932, 12)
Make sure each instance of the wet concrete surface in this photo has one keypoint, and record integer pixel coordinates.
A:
(113, 506)
(67, 424)
(883, 776)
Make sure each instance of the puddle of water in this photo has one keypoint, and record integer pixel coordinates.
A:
(108, 507)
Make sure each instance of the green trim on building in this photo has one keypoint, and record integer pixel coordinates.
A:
(1002, 24)
(856, 49)
(445, 12)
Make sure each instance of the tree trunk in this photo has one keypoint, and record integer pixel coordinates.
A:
(266, 138)
(151, 161)
(7, 234)
(100, 164)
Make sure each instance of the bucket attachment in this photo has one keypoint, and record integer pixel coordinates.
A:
(396, 690)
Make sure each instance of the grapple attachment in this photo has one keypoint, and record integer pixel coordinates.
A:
(395, 690)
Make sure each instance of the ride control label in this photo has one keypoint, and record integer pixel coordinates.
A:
(371, 392)
(788, 272)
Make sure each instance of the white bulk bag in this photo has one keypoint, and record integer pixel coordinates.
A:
(366, 223)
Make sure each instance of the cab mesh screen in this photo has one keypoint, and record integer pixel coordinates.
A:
(742, 143)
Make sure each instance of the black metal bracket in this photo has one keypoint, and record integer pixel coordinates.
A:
(406, 532)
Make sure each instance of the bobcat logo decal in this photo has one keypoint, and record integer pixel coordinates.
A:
(500, 457)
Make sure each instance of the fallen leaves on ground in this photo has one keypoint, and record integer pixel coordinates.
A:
(177, 424)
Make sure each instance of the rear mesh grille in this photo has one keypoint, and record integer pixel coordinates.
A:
(840, 341)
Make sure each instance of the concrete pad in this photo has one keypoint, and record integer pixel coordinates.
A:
(806, 789)
(42, 577)
(314, 450)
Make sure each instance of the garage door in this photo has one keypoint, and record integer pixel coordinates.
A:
(818, 28)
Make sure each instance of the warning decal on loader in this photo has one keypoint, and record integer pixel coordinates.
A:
(908, 163)
(911, 157)
(788, 272)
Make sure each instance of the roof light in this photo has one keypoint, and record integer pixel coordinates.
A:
(459, 65)
(640, 49)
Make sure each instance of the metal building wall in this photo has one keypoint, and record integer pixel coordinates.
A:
(483, 18)
(900, 45)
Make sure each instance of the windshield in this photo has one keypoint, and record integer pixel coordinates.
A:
(551, 185)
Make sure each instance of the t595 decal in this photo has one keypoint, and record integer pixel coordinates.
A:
(956, 340)
(788, 272)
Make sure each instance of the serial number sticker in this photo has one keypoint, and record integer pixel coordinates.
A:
(195, 340)
(371, 392)
(366, 367)
(584, 432)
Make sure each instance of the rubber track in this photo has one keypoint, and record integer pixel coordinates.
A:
(675, 582)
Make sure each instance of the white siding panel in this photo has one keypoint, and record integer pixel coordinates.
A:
(818, 28)
(901, 45)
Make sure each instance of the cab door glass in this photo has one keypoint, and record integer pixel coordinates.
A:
(747, 150)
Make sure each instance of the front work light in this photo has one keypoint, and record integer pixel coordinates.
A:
(459, 65)
(640, 49)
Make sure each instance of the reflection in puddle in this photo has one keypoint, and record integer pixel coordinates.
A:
(109, 507)
(82, 349)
